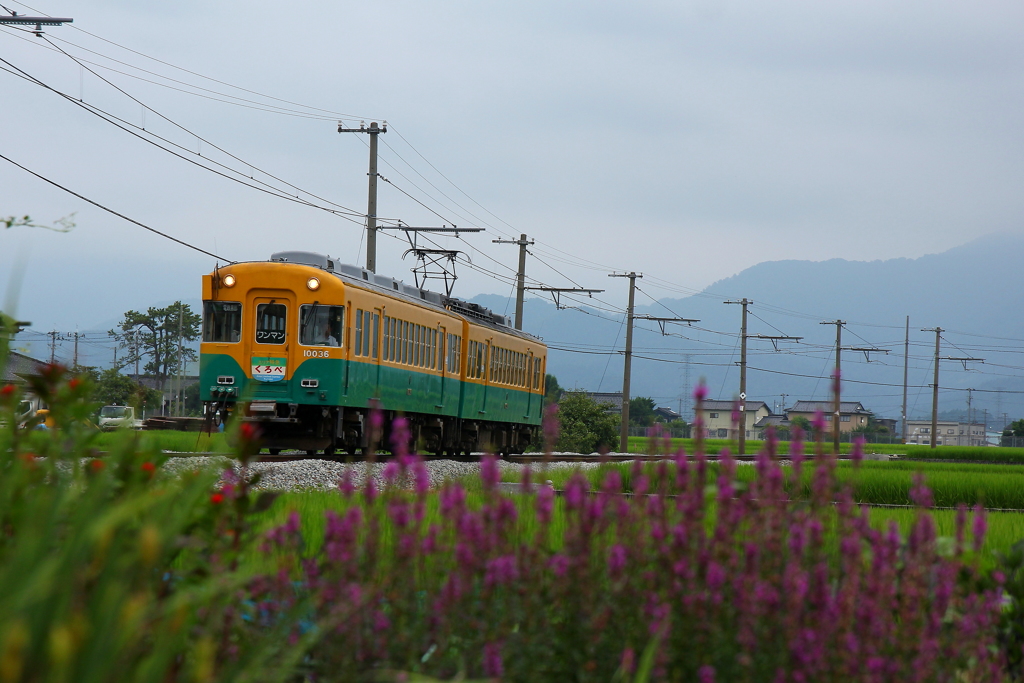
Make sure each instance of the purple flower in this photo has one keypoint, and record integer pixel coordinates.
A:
(920, 494)
(545, 501)
(980, 527)
(575, 491)
(346, 485)
(700, 393)
(489, 472)
(421, 476)
(391, 472)
(836, 386)
(551, 427)
(493, 665)
(559, 564)
(818, 423)
(453, 497)
(400, 437)
(857, 452)
(501, 570)
(706, 674)
(617, 559)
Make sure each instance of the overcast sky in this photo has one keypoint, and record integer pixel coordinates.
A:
(687, 140)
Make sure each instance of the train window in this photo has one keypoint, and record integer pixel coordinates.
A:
(359, 332)
(387, 339)
(321, 325)
(536, 374)
(222, 321)
(271, 323)
(406, 356)
(376, 335)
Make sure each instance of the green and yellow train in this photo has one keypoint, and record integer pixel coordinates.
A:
(308, 347)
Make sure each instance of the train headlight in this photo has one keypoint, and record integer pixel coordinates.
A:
(313, 284)
(229, 280)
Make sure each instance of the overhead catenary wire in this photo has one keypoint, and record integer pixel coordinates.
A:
(111, 211)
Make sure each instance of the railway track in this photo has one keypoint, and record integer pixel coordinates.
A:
(524, 459)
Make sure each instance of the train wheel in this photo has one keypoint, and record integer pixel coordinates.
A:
(274, 451)
(311, 453)
(329, 452)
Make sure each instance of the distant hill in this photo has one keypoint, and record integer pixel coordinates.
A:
(974, 291)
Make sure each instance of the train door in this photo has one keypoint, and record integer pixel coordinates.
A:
(268, 338)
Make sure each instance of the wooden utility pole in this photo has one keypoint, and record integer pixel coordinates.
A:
(836, 414)
(520, 275)
(371, 202)
(624, 429)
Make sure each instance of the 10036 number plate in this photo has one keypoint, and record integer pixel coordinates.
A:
(312, 353)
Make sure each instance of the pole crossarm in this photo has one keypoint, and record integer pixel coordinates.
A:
(866, 351)
(964, 361)
(774, 338)
(662, 321)
(557, 291)
(38, 21)
(519, 242)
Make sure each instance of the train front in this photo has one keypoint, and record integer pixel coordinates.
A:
(273, 348)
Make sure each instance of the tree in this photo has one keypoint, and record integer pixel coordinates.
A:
(552, 389)
(155, 334)
(113, 388)
(585, 425)
(641, 411)
(803, 423)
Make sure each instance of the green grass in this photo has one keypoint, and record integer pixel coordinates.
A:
(889, 483)
(1004, 528)
(642, 444)
(167, 440)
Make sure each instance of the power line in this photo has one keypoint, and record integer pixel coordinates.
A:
(119, 215)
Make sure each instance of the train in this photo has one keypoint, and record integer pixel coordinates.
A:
(308, 348)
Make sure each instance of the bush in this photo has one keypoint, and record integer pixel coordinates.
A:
(585, 425)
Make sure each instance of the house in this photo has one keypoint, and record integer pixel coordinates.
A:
(852, 414)
(667, 414)
(717, 418)
(776, 421)
(948, 433)
(18, 367)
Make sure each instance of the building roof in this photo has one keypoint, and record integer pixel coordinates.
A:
(19, 365)
(667, 413)
(752, 406)
(771, 421)
(828, 407)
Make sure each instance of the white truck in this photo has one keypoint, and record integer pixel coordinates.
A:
(118, 417)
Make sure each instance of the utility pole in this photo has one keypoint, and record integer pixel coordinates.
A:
(371, 201)
(180, 395)
(906, 372)
(520, 276)
(741, 442)
(935, 386)
(76, 335)
(53, 334)
(624, 429)
(783, 404)
(835, 390)
(970, 441)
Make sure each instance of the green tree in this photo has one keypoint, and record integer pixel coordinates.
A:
(585, 425)
(803, 423)
(552, 389)
(641, 411)
(155, 334)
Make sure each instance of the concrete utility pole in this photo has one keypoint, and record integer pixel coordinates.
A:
(520, 276)
(741, 442)
(180, 396)
(835, 390)
(906, 372)
(76, 335)
(935, 386)
(970, 440)
(624, 430)
(371, 201)
(53, 334)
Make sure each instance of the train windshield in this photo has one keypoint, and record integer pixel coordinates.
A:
(271, 321)
(222, 321)
(321, 325)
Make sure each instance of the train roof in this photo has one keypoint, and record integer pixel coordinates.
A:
(397, 288)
